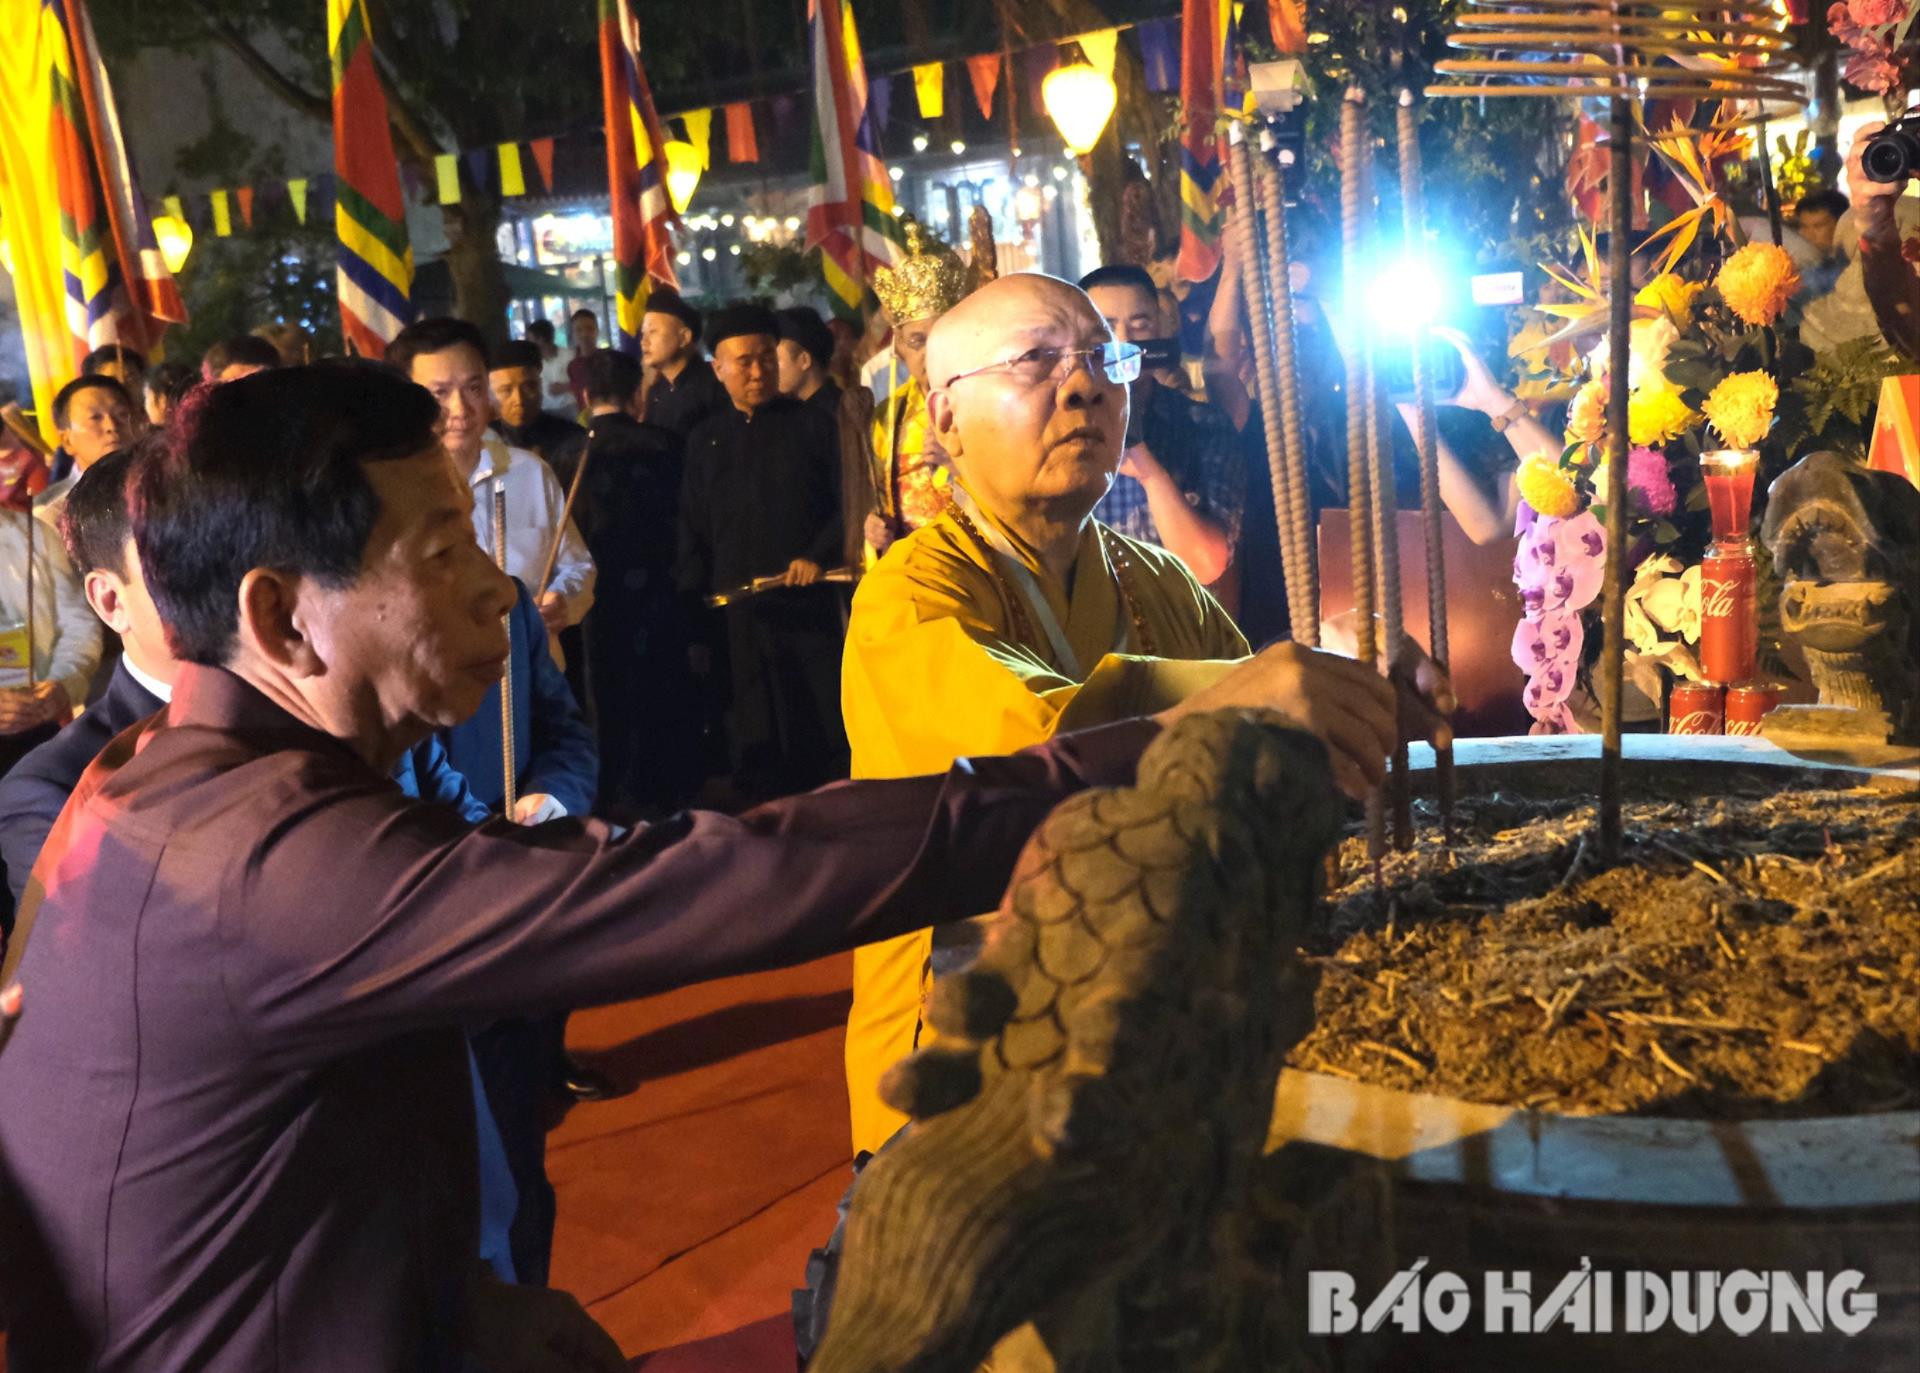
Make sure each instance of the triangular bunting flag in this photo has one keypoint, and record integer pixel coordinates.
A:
(543, 159)
(222, 216)
(1160, 54)
(513, 177)
(880, 101)
(446, 170)
(700, 133)
(245, 196)
(297, 193)
(929, 84)
(985, 71)
(176, 208)
(479, 163)
(1101, 48)
(742, 143)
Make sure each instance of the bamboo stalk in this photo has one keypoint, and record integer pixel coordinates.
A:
(1306, 620)
(1354, 199)
(1613, 588)
(1254, 289)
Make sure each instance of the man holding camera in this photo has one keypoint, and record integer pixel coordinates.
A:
(1179, 484)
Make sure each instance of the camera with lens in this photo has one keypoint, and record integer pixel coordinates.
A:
(1893, 154)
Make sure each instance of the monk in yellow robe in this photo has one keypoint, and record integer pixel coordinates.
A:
(1015, 614)
(908, 473)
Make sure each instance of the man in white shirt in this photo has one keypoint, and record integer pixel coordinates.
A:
(449, 358)
(556, 392)
(62, 643)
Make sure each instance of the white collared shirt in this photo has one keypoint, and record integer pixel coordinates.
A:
(153, 685)
(66, 636)
(534, 505)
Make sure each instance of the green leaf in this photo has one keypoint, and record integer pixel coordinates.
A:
(1665, 533)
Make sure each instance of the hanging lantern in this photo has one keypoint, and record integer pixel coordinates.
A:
(1079, 100)
(175, 237)
(683, 173)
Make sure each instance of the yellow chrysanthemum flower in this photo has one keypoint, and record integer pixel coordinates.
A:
(1740, 408)
(1668, 292)
(1656, 416)
(1587, 416)
(1757, 282)
(1546, 488)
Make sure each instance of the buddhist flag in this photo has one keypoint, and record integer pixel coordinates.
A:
(1204, 30)
(543, 160)
(297, 193)
(222, 215)
(87, 269)
(375, 271)
(984, 72)
(850, 215)
(636, 173)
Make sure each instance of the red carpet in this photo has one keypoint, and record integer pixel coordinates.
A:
(688, 1205)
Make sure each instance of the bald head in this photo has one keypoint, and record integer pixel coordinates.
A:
(986, 326)
(1027, 440)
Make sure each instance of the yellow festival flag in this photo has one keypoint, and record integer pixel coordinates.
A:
(1101, 48)
(176, 208)
(222, 216)
(87, 270)
(297, 193)
(446, 170)
(513, 178)
(929, 84)
(700, 133)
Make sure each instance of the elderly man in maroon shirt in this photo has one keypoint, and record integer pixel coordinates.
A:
(236, 1131)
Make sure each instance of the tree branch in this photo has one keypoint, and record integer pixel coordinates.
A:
(277, 81)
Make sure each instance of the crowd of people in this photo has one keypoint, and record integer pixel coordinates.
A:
(358, 719)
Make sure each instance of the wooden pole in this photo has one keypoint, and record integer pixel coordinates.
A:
(1425, 427)
(1613, 589)
(509, 771)
(539, 588)
(1299, 515)
(1774, 226)
(1245, 227)
(1354, 199)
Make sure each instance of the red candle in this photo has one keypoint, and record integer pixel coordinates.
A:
(1729, 477)
(1729, 619)
(1696, 708)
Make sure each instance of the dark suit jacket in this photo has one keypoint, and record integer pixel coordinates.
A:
(34, 793)
(236, 1130)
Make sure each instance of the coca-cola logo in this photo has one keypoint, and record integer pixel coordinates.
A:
(1743, 726)
(1696, 722)
(1719, 596)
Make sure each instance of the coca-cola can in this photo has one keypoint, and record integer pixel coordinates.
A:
(1696, 708)
(1747, 705)
(1729, 619)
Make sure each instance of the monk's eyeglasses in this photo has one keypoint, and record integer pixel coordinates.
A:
(1118, 363)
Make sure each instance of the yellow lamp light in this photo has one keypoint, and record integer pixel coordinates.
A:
(683, 173)
(6, 255)
(1079, 100)
(175, 237)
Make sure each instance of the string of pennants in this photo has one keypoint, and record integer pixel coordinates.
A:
(503, 167)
